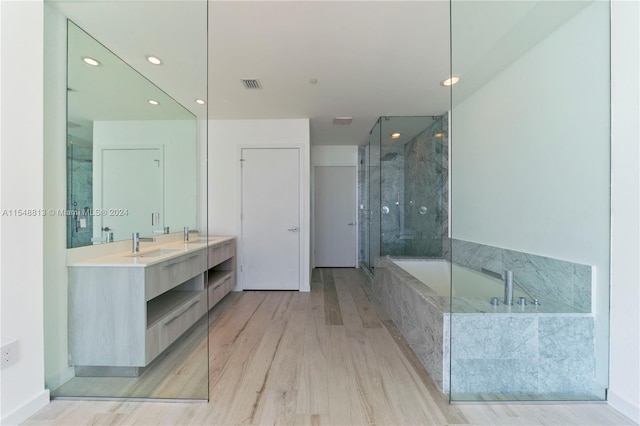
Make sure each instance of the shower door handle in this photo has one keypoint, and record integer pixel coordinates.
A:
(294, 229)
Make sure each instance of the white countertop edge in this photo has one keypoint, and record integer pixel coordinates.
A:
(126, 258)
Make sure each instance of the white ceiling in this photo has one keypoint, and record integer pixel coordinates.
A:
(371, 58)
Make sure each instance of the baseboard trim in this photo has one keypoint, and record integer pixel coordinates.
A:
(27, 410)
(624, 406)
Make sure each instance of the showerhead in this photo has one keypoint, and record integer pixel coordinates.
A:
(389, 156)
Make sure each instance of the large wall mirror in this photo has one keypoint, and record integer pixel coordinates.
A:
(131, 150)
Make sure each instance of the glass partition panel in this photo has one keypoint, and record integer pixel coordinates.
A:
(125, 318)
(375, 205)
(530, 172)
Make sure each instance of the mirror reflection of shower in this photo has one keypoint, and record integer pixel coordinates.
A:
(403, 189)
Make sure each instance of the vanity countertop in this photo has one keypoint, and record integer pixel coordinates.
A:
(152, 253)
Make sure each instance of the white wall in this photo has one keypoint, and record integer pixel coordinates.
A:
(530, 157)
(334, 155)
(226, 137)
(21, 178)
(624, 384)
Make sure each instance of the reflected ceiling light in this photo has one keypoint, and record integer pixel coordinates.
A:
(395, 135)
(201, 101)
(450, 81)
(153, 102)
(154, 60)
(438, 135)
(90, 61)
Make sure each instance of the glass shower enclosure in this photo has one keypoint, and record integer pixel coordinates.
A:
(403, 189)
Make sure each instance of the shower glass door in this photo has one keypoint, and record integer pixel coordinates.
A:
(530, 126)
(375, 207)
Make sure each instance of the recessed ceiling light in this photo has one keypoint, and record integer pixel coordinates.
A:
(201, 101)
(450, 81)
(342, 120)
(313, 81)
(154, 60)
(395, 135)
(90, 61)
(153, 102)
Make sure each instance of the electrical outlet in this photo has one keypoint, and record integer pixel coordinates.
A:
(9, 354)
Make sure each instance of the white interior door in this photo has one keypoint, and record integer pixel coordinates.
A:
(335, 216)
(271, 219)
(132, 191)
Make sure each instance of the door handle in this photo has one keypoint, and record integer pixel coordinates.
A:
(294, 229)
(351, 224)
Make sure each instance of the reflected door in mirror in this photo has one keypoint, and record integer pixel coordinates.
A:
(132, 191)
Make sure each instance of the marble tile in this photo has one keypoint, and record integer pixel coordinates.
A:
(541, 276)
(566, 337)
(493, 337)
(494, 376)
(562, 284)
(477, 256)
(582, 286)
(573, 376)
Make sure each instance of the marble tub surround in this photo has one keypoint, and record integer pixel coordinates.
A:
(482, 349)
(533, 354)
(549, 280)
(418, 312)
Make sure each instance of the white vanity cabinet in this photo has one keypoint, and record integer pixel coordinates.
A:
(125, 310)
(123, 317)
(221, 276)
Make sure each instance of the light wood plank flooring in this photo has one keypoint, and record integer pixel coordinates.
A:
(330, 356)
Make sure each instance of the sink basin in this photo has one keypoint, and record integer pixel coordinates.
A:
(201, 240)
(155, 253)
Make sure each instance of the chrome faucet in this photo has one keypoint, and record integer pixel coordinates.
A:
(508, 288)
(135, 241)
(187, 232)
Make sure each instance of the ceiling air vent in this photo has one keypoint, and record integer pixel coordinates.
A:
(251, 84)
(342, 120)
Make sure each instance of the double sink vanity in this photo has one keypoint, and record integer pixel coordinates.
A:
(125, 309)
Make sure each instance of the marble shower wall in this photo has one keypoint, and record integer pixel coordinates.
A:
(392, 181)
(541, 277)
(414, 175)
(80, 181)
(426, 198)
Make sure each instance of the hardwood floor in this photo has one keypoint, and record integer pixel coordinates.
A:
(331, 356)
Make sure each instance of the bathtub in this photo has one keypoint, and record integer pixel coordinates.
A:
(530, 342)
(436, 274)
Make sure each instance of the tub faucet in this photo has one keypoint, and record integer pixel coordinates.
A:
(135, 241)
(508, 288)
